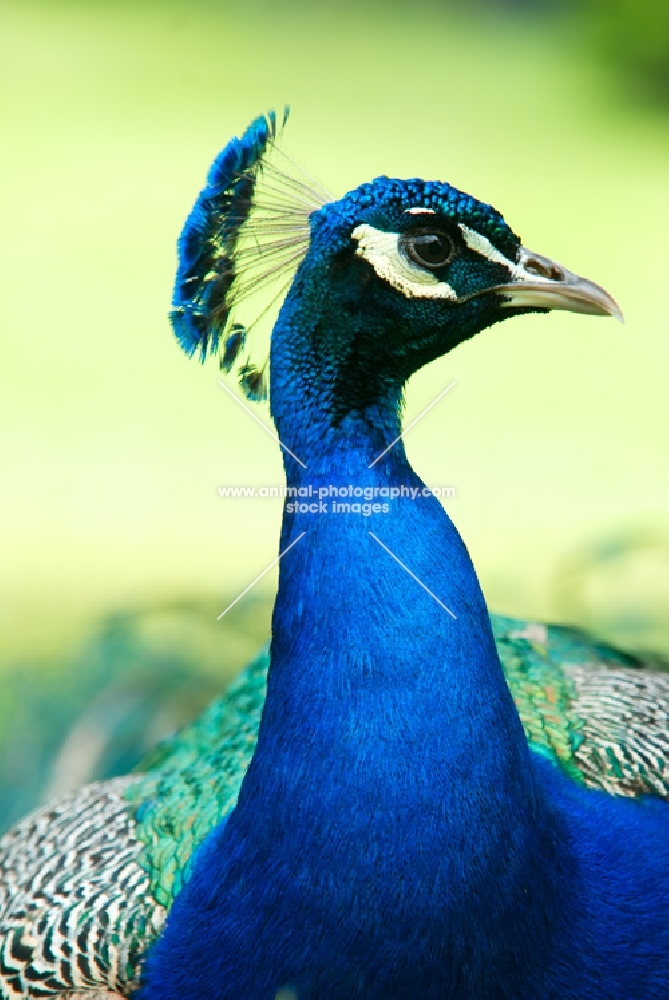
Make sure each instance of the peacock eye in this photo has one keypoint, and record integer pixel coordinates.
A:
(431, 250)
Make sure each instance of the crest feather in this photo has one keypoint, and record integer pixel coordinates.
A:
(248, 228)
(233, 346)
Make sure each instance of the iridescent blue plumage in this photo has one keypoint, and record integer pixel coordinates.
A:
(207, 244)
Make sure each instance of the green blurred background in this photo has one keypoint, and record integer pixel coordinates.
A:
(117, 552)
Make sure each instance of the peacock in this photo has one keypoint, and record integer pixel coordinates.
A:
(402, 796)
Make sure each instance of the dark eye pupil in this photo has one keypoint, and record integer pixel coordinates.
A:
(430, 249)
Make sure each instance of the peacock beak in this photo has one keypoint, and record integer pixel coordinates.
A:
(541, 283)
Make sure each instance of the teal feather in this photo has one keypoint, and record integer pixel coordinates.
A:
(192, 780)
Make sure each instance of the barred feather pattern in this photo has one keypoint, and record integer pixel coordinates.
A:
(76, 914)
(598, 713)
(625, 748)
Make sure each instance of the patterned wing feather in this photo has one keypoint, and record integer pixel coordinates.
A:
(599, 713)
(75, 910)
(85, 882)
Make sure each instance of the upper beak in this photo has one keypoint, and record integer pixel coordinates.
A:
(540, 283)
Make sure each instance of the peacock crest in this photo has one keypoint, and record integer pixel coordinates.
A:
(242, 243)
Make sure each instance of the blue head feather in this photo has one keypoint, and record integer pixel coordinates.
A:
(206, 247)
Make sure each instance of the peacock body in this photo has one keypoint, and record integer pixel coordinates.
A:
(417, 800)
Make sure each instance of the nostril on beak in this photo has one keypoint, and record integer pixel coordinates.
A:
(544, 269)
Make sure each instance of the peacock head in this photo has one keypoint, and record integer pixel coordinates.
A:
(416, 267)
(389, 277)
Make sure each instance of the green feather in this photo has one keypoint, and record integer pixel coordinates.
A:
(192, 780)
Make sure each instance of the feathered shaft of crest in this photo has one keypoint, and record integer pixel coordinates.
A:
(248, 229)
(233, 346)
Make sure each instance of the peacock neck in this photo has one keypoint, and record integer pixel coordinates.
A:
(384, 668)
(379, 623)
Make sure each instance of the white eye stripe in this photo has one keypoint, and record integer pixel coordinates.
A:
(482, 245)
(383, 252)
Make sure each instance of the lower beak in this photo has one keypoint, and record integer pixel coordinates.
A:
(540, 283)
